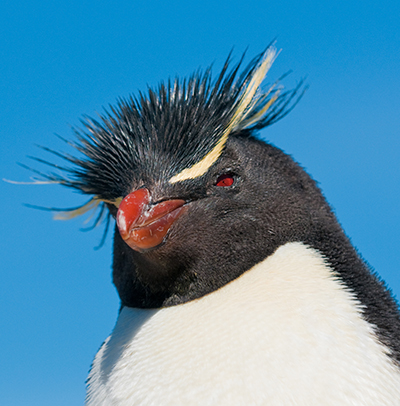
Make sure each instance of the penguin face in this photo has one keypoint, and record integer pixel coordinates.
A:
(253, 199)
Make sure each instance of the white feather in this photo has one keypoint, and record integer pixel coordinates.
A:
(286, 333)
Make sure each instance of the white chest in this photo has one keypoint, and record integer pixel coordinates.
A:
(284, 333)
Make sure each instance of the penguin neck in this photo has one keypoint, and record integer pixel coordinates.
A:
(289, 318)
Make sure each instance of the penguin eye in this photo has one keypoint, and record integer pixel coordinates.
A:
(225, 180)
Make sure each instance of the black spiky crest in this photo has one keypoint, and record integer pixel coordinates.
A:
(159, 134)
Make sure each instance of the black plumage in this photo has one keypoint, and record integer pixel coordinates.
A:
(181, 121)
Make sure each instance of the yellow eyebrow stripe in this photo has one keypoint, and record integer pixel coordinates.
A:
(244, 108)
(202, 167)
(116, 202)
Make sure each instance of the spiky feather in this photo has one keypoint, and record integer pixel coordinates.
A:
(161, 134)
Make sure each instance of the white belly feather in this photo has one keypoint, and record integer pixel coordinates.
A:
(285, 333)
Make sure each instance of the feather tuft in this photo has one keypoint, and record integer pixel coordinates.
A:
(169, 134)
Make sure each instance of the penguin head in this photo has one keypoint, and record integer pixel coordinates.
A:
(197, 198)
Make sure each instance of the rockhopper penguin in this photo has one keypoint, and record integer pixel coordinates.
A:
(237, 284)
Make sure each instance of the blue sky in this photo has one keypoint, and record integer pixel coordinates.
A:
(60, 60)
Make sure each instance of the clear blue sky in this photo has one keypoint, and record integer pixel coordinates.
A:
(62, 59)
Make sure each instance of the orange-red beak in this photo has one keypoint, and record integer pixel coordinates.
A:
(143, 226)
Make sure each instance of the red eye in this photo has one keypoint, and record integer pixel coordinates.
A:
(225, 180)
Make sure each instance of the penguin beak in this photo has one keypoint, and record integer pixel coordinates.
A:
(142, 225)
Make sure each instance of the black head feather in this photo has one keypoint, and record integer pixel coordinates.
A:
(159, 134)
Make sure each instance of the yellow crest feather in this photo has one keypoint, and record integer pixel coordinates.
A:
(246, 105)
(92, 204)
